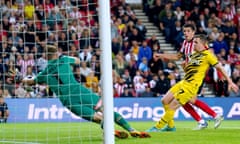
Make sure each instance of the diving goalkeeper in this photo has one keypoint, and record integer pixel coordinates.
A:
(58, 75)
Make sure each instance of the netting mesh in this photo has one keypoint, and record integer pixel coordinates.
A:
(35, 115)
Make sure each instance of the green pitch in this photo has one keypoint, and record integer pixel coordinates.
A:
(89, 133)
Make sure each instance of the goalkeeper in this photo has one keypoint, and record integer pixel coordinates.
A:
(81, 101)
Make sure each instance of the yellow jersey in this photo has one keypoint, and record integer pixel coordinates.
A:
(198, 65)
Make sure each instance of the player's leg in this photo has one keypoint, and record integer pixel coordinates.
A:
(1, 116)
(6, 114)
(165, 101)
(169, 114)
(203, 106)
(189, 108)
(167, 117)
(119, 120)
(94, 101)
(181, 92)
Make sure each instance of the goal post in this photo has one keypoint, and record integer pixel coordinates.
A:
(106, 59)
(78, 28)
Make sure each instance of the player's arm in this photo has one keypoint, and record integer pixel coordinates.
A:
(231, 85)
(177, 56)
(73, 60)
(77, 60)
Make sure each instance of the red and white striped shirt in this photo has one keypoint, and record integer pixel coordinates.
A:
(187, 49)
(119, 88)
(24, 64)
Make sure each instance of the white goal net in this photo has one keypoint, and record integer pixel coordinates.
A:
(34, 114)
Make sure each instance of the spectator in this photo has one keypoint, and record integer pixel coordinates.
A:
(125, 47)
(155, 65)
(228, 29)
(20, 91)
(75, 14)
(162, 85)
(20, 46)
(116, 47)
(131, 56)
(62, 43)
(167, 25)
(153, 41)
(136, 36)
(78, 76)
(41, 62)
(119, 87)
(147, 93)
(84, 69)
(85, 39)
(25, 62)
(85, 55)
(140, 87)
(195, 14)
(219, 44)
(214, 34)
(28, 9)
(179, 13)
(127, 79)
(155, 11)
(92, 82)
(4, 112)
(177, 32)
(14, 38)
(221, 86)
(126, 93)
(29, 73)
(202, 22)
(144, 51)
(9, 88)
(132, 67)
(129, 11)
(141, 28)
(119, 64)
(3, 68)
(143, 66)
(153, 84)
(236, 72)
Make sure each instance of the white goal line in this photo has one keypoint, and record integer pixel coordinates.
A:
(17, 142)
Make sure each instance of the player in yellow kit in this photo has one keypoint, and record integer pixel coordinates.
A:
(186, 89)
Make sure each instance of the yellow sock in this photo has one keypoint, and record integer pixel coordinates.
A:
(171, 122)
(168, 116)
(166, 107)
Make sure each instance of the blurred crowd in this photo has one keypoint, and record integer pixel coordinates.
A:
(72, 25)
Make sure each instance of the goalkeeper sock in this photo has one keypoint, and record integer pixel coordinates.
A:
(118, 119)
(168, 116)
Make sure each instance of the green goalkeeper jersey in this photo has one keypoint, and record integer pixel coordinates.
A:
(58, 75)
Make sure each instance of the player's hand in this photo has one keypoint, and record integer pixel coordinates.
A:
(232, 86)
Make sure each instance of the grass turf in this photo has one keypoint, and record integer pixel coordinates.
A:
(89, 133)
